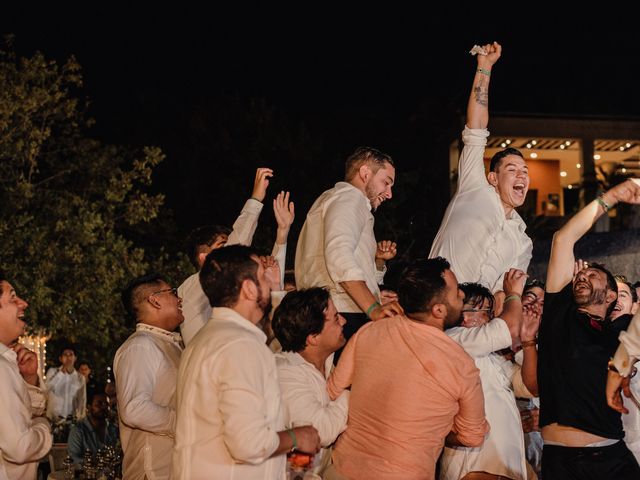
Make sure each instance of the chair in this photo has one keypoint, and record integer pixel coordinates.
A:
(57, 454)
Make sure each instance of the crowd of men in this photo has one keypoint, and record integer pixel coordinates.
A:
(413, 383)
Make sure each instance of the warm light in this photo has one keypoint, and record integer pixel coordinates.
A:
(528, 145)
(503, 145)
(578, 165)
(563, 174)
(562, 147)
(534, 142)
(508, 142)
(621, 148)
(628, 145)
(567, 143)
(596, 156)
(533, 155)
(570, 187)
(624, 170)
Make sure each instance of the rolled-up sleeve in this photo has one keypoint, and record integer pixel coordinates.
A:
(344, 222)
(245, 225)
(483, 340)
(243, 404)
(471, 172)
(470, 423)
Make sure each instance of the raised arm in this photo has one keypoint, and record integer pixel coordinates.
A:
(478, 106)
(560, 270)
(245, 225)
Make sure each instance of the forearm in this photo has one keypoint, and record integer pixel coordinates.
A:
(512, 315)
(529, 370)
(145, 415)
(478, 105)
(359, 293)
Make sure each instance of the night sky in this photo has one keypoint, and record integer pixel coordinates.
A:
(350, 77)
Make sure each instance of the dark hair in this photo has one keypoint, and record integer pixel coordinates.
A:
(475, 294)
(496, 160)
(422, 282)
(636, 285)
(365, 155)
(223, 272)
(290, 277)
(623, 279)
(532, 284)
(611, 284)
(201, 237)
(68, 346)
(94, 392)
(135, 293)
(300, 314)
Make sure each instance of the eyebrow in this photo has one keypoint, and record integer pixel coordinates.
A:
(511, 164)
(390, 179)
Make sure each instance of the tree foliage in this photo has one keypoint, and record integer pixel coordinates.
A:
(68, 204)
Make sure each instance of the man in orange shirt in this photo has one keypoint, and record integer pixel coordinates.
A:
(412, 387)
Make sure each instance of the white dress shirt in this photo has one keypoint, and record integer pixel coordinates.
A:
(145, 369)
(629, 349)
(306, 400)
(229, 404)
(503, 451)
(337, 244)
(195, 304)
(475, 237)
(67, 393)
(23, 439)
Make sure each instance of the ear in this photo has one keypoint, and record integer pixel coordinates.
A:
(201, 257)
(153, 301)
(492, 177)
(364, 172)
(311, 340)
(249, 290)
(634, 308)
(439, 310)
(611, 296)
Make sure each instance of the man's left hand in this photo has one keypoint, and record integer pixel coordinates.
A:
(27, 364)
(271, 272)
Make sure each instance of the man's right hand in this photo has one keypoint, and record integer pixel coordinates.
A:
(514, 282)
(307, 438)
(390, 309)
(261, 183)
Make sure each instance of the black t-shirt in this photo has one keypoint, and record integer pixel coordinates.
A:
(573, 351)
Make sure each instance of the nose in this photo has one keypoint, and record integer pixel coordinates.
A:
(22, 303)
(388, 193)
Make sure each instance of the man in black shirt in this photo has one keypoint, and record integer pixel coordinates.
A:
(581, 433)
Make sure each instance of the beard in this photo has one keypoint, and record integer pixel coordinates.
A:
(372, 196)
(591, 297)
(454, 317)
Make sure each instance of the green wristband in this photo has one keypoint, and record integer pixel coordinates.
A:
(513, 296)
(484, 72)
(605, 206)
(293, 438)
(373, 306)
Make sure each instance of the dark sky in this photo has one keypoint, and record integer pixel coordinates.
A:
(327, 66)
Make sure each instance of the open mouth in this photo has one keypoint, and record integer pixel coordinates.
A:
(519, 188)
(617, 308)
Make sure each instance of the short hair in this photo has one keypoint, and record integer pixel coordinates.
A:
(134, 294)
(290, 277)
(300, 314)
(93, 392)
(475, 294)
(635, 285)
(223, 272)
(421, 282)
(533, 284)
(496, 160)
(68, 346)
(365, 155)
(611, 283)
(202, 237)
(623, 279)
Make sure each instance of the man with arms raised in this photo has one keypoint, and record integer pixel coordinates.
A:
(481, 233)
(25, 436)
(582, 435)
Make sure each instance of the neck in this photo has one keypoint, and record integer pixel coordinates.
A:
(249, 311)
(315, 358)
(68, 369)
(356, 182)
(427, 319)
(508, 209)
(599, 311)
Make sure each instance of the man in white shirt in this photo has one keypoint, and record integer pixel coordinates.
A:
(337, 246)
(196, 307)
(231, 421)
(481, 233)
(310, 330)
(145, 369)
(66, 387)
(25, 435)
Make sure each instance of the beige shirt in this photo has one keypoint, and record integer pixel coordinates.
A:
(24, 439)
(629, 350)
(337, 244)
(145, 369)
(229, 404)
(475, 237)
(195, 304)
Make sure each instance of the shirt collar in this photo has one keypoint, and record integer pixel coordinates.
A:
(160, 332)
(7, 353)
(295, 359)
(230, 315)
(347, 185)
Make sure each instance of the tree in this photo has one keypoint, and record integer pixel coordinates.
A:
(69, 206)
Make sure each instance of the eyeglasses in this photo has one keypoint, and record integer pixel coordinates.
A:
(173, 290)
(473, 310)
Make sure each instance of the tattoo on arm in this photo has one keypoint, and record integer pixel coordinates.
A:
(481, 95)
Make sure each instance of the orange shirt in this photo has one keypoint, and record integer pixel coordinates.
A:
(410, 386)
